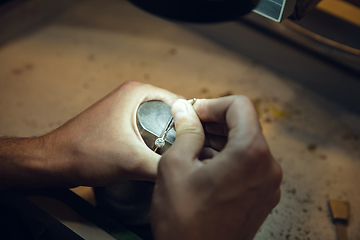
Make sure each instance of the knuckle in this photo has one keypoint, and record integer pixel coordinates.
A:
(264, 155)
(274, 177)
(277, 175)
(245, 103)
(189, 128)
(274, 201)
(256, 151)
(187, 125)
(191, 131)
(261, 148)
(244, 100)
(130, 84)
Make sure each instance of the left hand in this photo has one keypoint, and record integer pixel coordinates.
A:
(102, 145)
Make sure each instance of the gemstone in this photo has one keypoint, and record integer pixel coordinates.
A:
(159, 142)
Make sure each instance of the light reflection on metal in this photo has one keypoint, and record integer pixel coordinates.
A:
(276, 10)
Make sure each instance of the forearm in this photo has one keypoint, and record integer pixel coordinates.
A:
(28, 163)
(98, 147)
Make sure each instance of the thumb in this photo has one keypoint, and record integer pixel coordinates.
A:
(190, 135)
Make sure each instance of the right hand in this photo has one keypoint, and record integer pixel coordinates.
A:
(227, 196)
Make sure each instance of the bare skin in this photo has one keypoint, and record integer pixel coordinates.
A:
(227, 196)
(100, 146)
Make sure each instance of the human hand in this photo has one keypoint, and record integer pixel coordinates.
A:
(226, 196)
(102, 144)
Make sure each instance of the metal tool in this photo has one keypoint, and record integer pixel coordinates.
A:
(160, 142)
(130, 202)
(340, 213)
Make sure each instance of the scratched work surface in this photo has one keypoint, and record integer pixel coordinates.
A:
(53, 72)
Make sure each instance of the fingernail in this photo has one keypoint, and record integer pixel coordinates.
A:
(179, 110)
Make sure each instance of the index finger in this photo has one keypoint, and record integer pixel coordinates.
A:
(237, 112)
(246, 153)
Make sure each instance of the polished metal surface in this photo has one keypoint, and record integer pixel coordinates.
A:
(150, 119)
(154, 121)
(276, 10)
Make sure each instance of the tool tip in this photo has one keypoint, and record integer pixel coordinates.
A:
(193, 101)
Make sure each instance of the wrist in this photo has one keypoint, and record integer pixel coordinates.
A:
(57, 160)
(31, 163)
(38, 163)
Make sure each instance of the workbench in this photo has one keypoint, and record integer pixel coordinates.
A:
(53, 71)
